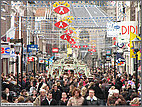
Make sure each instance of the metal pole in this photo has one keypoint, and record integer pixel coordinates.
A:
(93, 64)
(44, 66)
(114, 66)
(34, 67)
(17, 69)
(108, 66)
(136, 69)
(104, 65)
(21, 63)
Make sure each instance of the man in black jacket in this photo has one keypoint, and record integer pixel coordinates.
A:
(56, 94)
(49, 100)
(65, 87)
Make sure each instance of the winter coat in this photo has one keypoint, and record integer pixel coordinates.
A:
(62, 103)
(118, 84)
(46, 102)
(98, 92)
(88, 101)
(65, 89)
(111, 100)
(75, 102)
(56, 95)
(37, 101)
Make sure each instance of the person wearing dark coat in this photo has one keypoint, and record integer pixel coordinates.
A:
(56, 94)
(9, 96)
(65, 87)
(118, 84)
(64, 100)
(98, 91)
(49, 100)
(91, 99)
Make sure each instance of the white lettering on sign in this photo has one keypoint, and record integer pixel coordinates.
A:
(61, 10)
(61, 24)
(68, 32)
(65, 38)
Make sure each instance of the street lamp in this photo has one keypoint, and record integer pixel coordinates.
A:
(95, 63)
(75, 66)
(17, 50)
(62, 65)
(114, 48)
(104, 56)
(136, 45)
(34, 54)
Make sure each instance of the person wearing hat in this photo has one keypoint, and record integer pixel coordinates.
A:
(40, 98)
(116, 99)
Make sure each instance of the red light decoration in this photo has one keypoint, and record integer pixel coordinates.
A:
(68, 32)
(93, 46)
(85, 46)
(61, 24)
(65, 37)
(61, 10)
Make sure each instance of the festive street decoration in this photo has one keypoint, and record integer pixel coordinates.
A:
(65, 37)
(68, 32)
(61, 10)
(85, 46)
(61, 24)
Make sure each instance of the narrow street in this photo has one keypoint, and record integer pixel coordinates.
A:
(71, 53)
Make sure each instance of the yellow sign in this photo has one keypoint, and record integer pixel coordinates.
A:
(69, 50)
(132, 55)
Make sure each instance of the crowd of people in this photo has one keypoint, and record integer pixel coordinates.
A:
(72, 90)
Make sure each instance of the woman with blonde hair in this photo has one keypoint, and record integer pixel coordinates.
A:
(84, 92)
(135, 102)
(111, 91)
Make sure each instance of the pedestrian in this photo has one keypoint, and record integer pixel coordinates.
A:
(110, 91)
(135, 102)
(56, 93)
(32, 87)
(9, 96)
(116, 99)
(64, 99)
(34, 95)
(65, 87)
(84, 92)
(29, 100)
(3, 98)
(20, 99)
(77, 99)
(40, 98)
(91, 99)
(48, 100)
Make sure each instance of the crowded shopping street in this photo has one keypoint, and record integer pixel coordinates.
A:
(71, 53)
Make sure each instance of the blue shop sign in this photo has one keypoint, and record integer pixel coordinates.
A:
(31, 46)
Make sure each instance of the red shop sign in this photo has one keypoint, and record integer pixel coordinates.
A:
(55, 50)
